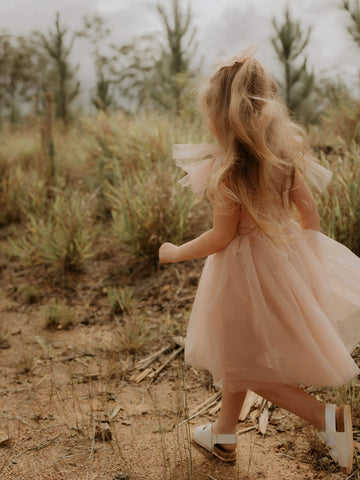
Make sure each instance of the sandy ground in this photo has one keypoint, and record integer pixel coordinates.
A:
(76, 383)
(72, 405)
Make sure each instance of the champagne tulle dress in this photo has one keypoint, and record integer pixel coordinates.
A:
(272, 313)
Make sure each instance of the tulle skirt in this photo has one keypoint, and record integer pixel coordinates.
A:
(268, 312)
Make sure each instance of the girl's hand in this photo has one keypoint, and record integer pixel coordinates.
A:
(168, 253)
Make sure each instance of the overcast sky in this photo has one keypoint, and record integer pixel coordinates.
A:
(223, 26)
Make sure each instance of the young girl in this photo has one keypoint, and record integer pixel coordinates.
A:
(278, 303)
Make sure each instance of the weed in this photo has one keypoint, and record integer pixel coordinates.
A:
(63, 240)
(339, 205)
(58, 315)
(132, 333)
(29, 293)
(148, 208)
(122, 299)
(26, 363)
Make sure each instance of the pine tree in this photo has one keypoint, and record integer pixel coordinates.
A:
(66, 87)
(297, 87)
(354, 12)
(176, 54)
(96, 32)
(16, 76)
(154, 68)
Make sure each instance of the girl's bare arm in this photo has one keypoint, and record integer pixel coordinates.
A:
(305, 204)
(215, 239)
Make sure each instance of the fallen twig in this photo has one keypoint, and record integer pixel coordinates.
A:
(202, 408)
(350, 476)
(211, 477)
(115, 412)
(207, 403)
(142, 375)
(145, 362)
(171, 357)
(245, 430)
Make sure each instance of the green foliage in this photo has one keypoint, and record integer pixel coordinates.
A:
(154, 66)
(353, 8)
(29, 293)
(339, 205)
(133, 333)
(148, 207)
(65, 87)
(122, 300)
(96, 32)
(62, 240)
(17, 76)
(22, 192)
(341, 118)
(297, 87)
(58, 315)
(176, 55)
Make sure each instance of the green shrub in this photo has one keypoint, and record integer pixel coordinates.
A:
(58, 315)
(149, 207)
(339, 205)
(122, 299)
(63, 240)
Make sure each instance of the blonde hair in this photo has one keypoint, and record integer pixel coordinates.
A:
(261, 145)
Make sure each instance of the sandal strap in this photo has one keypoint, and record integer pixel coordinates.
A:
(225, 438)
(330, 418)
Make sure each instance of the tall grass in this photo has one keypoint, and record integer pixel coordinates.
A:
(339, 205)
(62, 239)
(115, 174)
(148, 207)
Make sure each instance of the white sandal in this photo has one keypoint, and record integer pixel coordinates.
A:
(340, 443)
(206, 438)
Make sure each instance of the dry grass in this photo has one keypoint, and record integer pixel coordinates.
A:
(116, 184)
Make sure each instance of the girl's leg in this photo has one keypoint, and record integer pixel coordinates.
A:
(228, 417)
(297, 401)
(289, 397)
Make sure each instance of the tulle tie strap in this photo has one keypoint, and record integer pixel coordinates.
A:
(199, 161)
(316, 174)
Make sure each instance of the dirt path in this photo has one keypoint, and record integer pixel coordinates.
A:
(58, 388)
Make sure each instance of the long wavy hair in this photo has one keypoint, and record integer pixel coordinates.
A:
(260, 144)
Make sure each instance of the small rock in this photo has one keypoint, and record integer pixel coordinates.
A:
(4, 344)
(283, 428)
(121, 476)
(4, 441)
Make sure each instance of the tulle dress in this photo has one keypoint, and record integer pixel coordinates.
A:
(268, 312)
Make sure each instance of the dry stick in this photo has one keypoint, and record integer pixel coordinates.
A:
(36, 447)
(92, 449)
(350, 476)
(215, 409)
(31, 387)
(142, 375)
(145, 362)
(115, 412)
(171, 357)
(201, 408)
(295, 458)
(245, 430)
(206, 403)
